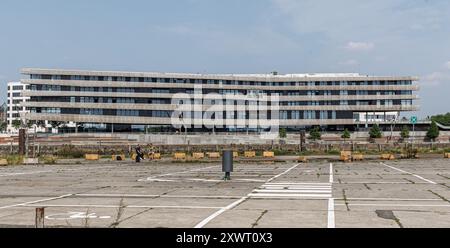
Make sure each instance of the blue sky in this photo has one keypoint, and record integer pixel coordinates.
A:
(384, 37)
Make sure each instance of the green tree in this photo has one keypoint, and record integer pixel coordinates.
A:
(433, 131)
(3, 126)
(283, 133)
(405, 132)
(375, 132)
(16, 123)
(346, 134)
(442, 119)
(315, 134)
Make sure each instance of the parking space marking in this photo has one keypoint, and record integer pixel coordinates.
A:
(221, 211)
(331, 218)
(238, 202)
(388, 199)
(50, 171)
(115, 206)
(409, 173)
(176, 173)
(159, 196)
(290, 190)
(393, 205)
(37, 201)
(331, 173)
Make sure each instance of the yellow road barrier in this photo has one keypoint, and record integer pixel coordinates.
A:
(235, 154)
(387, 156)
(268, 154)
(250, 154)
(358, 157)
(3, 162)
(198, 155)
(155, 156)
(214, 155)
(303, 159)
(91, 157)
(447, 155)
(179, 156)
(346, 156)
(120, 157)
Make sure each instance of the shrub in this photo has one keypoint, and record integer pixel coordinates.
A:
(433, 132)
(375, 132)
(283, 133)
(346, 134)
(405, 132)
(70, 152)
(315, 134)
(49, 160)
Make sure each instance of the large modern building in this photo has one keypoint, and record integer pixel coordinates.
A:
(127, 101)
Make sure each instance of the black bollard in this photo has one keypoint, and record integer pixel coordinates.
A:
(227, 164)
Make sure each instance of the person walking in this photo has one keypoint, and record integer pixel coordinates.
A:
(139, 154)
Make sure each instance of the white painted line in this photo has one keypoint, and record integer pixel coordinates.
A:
(158, 196)
(115, 206)
(291, 191)
(314, 184)
(50, 171)
(160, 180)
(283, 173)
(331, 173)
(24, 173)
(290, 195)
(393, 205)
(175, 173)
(37, 201)
(236, 203)
(397, 169)
(331, 218)
(250, 180)
(387, 199)
(294, 188)
(222, 210)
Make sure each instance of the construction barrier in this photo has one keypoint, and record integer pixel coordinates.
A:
(214, 155)
(155, 156)
(235, 154)
(346, 156)
(447, 155)
(92, 157)
(303, 159)
(179, 156)
(269, 154)
(3, 162)
(250, 154)
(198, 155)
(387, 156)
(358, 157)
(120, 157)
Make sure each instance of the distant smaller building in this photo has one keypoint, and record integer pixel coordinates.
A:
(14, 107)
(14, 101)
(3, 110)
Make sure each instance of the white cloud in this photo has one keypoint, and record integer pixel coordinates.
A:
(435, 79)
(359, 46)
(350, 62)
(447, 65)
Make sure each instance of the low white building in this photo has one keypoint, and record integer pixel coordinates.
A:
(15, 108)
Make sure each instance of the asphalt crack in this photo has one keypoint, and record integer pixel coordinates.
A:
(259, 218)
(440, 196)
(388, 215)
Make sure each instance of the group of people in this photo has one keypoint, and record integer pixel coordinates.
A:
(140, 153)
